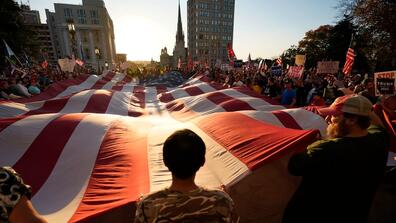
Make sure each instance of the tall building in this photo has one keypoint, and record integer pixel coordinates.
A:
(41, 36)
(179, 51)
(210, 28)
(85, 31)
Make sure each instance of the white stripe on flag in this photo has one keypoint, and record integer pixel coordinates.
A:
(201, 105)
(119, 103)
(264, 116)
(221, 167)
(77, 102)
(114, 80)
(16, 138)
(12, 109)
(127, 88)
(256, 103)
(179, 93)
(205, 87)
(308, 120)
(62, 192)
(87, 84)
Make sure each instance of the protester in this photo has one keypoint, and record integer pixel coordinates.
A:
(340, 174)
(368, 90)
(184, 201)
(288, 96)
(22, 83)
(317, 99)
(15, 205)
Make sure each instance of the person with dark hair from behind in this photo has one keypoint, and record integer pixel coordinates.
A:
(184, 201)
(15, 205)
(340, 175)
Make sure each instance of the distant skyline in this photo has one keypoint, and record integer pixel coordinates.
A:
(261, 27)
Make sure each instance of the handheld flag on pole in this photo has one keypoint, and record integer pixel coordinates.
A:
(8, 48)
(231, 54)
(279, 61)
(350, 58)
(10, 52)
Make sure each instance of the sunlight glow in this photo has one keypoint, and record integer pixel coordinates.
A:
(138, 38)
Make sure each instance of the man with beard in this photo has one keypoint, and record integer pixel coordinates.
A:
(340, 174)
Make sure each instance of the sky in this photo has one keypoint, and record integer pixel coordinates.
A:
(263, 28)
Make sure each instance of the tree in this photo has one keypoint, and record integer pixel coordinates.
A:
(289, 56)
(315, 45)
(376, 21)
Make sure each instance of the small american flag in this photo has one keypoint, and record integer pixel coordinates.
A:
(350, 58)
(279, 61)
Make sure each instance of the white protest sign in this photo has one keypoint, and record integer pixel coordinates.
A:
(385, 83)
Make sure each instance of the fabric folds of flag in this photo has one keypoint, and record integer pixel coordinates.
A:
(350, 58)
(91, 146)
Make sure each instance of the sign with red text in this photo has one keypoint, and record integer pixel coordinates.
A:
(295, 71)
(385, 83)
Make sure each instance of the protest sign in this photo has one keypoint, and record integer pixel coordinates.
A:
(295, 71)
(385, 83)
(300, 60)
(67, 65)
(276, 70)
(328, 67)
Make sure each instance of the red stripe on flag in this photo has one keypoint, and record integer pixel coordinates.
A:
(193, 90)
(139, 93)
(228, 103)
(160, 89)
(251, 141)
(286, 119)
(98, 102)
(104, 80)
(4, 123)
(120, 84)
(166, 97)
(120, 174)
(50, 106)
(37, 162)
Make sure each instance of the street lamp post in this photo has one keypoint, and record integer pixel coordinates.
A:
(72, 32)
(97, 53)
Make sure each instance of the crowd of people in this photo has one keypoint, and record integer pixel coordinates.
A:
(310, 89)
(340, 173)
(26, 82)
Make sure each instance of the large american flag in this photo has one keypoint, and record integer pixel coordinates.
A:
(91, 146)
(350, 58)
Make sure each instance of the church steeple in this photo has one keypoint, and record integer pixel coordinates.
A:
(179, 33)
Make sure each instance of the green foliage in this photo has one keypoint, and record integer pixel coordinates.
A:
(315, 45)
(376, 25)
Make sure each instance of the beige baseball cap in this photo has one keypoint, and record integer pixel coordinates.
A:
(353, 104)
